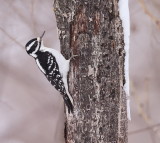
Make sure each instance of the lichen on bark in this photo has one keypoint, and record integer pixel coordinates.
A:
(92, 29)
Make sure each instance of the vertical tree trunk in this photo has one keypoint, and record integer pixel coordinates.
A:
(92, 29)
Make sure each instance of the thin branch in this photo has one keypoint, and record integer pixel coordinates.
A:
(143, 113)
(140, 108)
(19, 13)
(147, 12)
(10, 37)
(152, 134)
(144, 129)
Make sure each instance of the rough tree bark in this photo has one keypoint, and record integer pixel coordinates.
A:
(93, 30)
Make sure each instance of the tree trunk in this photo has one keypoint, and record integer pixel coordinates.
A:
(92, 29)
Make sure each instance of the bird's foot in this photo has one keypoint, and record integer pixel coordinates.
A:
(73, 57)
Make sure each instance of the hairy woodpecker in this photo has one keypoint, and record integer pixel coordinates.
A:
(53, 65)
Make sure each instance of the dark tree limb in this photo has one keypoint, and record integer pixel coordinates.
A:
(93, 30)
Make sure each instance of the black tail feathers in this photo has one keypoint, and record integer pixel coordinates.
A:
(68, 104)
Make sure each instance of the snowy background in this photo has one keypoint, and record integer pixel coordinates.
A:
(32, 112)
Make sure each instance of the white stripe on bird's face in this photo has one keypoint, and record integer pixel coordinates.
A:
(37, 48)
(33, 55)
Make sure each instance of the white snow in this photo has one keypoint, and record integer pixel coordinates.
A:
(124, 15)
(128, 110)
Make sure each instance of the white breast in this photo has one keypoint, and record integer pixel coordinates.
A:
(62, 62)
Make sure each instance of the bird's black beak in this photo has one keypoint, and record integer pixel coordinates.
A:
(42, 36)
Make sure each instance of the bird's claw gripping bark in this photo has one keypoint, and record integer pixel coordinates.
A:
(73, 57)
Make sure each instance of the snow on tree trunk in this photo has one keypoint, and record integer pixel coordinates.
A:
(92, 29)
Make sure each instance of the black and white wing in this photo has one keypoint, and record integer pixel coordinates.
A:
(48, 65)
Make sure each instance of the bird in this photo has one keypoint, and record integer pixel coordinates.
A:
(53, 65)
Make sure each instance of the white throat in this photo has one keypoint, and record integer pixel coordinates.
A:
(33, 55)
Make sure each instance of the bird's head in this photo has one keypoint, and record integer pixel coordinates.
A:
(34, 45)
